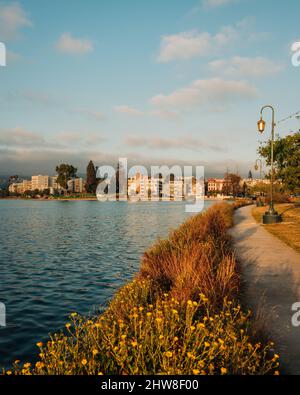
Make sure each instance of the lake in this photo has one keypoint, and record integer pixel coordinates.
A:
(58, 257)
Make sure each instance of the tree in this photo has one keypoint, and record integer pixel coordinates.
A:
(286, 160)
(65, 173)
(250, 176)
(3, 193)
(91, 180)
(46, 192)
(232, 184)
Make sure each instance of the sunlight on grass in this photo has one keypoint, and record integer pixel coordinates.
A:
(180, 315)
(289, 230)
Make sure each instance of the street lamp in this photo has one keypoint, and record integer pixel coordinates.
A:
(260, 203)
(271, 216)
(256, 167)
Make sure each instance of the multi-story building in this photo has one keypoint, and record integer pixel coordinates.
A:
(39, 182)
(215, 185)
(251, 182)
(76, 185)
(27, 185)
(16, 187)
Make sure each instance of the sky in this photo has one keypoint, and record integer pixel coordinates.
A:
(158, 82)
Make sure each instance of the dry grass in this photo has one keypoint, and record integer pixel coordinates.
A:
(180, 315)
(197, 257)
(289, 230)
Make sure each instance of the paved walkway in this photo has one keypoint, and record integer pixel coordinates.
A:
(271, 273)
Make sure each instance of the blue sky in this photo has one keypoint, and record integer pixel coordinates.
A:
(166, 81)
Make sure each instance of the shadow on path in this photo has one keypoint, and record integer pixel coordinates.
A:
(271, 272)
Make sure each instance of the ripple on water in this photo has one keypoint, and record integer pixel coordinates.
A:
(59, 257)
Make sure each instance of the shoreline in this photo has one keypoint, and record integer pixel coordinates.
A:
(155, 316)
(94, 199)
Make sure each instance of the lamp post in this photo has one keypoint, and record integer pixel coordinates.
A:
(260, 203)
(256, 167)
(271, 216)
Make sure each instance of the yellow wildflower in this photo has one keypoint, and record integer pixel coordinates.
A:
(196, 372)
(224, 371)
(134, 344)
(40, 344)
(168, 354)
(95, 352)
(84, 362)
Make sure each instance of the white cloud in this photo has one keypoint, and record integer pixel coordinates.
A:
(206, 92)
(187, 142)
(187, 45)
(184, 46)
(12, 19)
(97, 115)
(72, 139)
(165, 114)
(216, 3)
(128, 110)
(245, 67)
(74, 46)
(19, 137)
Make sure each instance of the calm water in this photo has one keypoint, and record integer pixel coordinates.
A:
(59, 257)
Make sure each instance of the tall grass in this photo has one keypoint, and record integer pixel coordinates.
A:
(180, 315)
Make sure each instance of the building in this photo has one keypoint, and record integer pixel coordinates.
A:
(16, 187)
(27, 186)
(39, 183)
(215, 185)
(76, 185)
(252, 182)
(165, 188)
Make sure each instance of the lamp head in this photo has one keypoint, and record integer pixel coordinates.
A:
(261, 125)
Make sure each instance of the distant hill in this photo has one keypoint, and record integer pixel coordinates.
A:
(3, 182)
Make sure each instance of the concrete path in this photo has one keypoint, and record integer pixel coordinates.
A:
(271, 273)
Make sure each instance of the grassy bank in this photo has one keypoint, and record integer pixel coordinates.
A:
(180, 315)
(288, 230)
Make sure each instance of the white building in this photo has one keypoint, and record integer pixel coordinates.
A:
(39, 182)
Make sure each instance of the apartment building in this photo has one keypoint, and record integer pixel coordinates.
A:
(215, 184)
(39, 182)
(27, 185)
(76, 185)
(16, 187)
